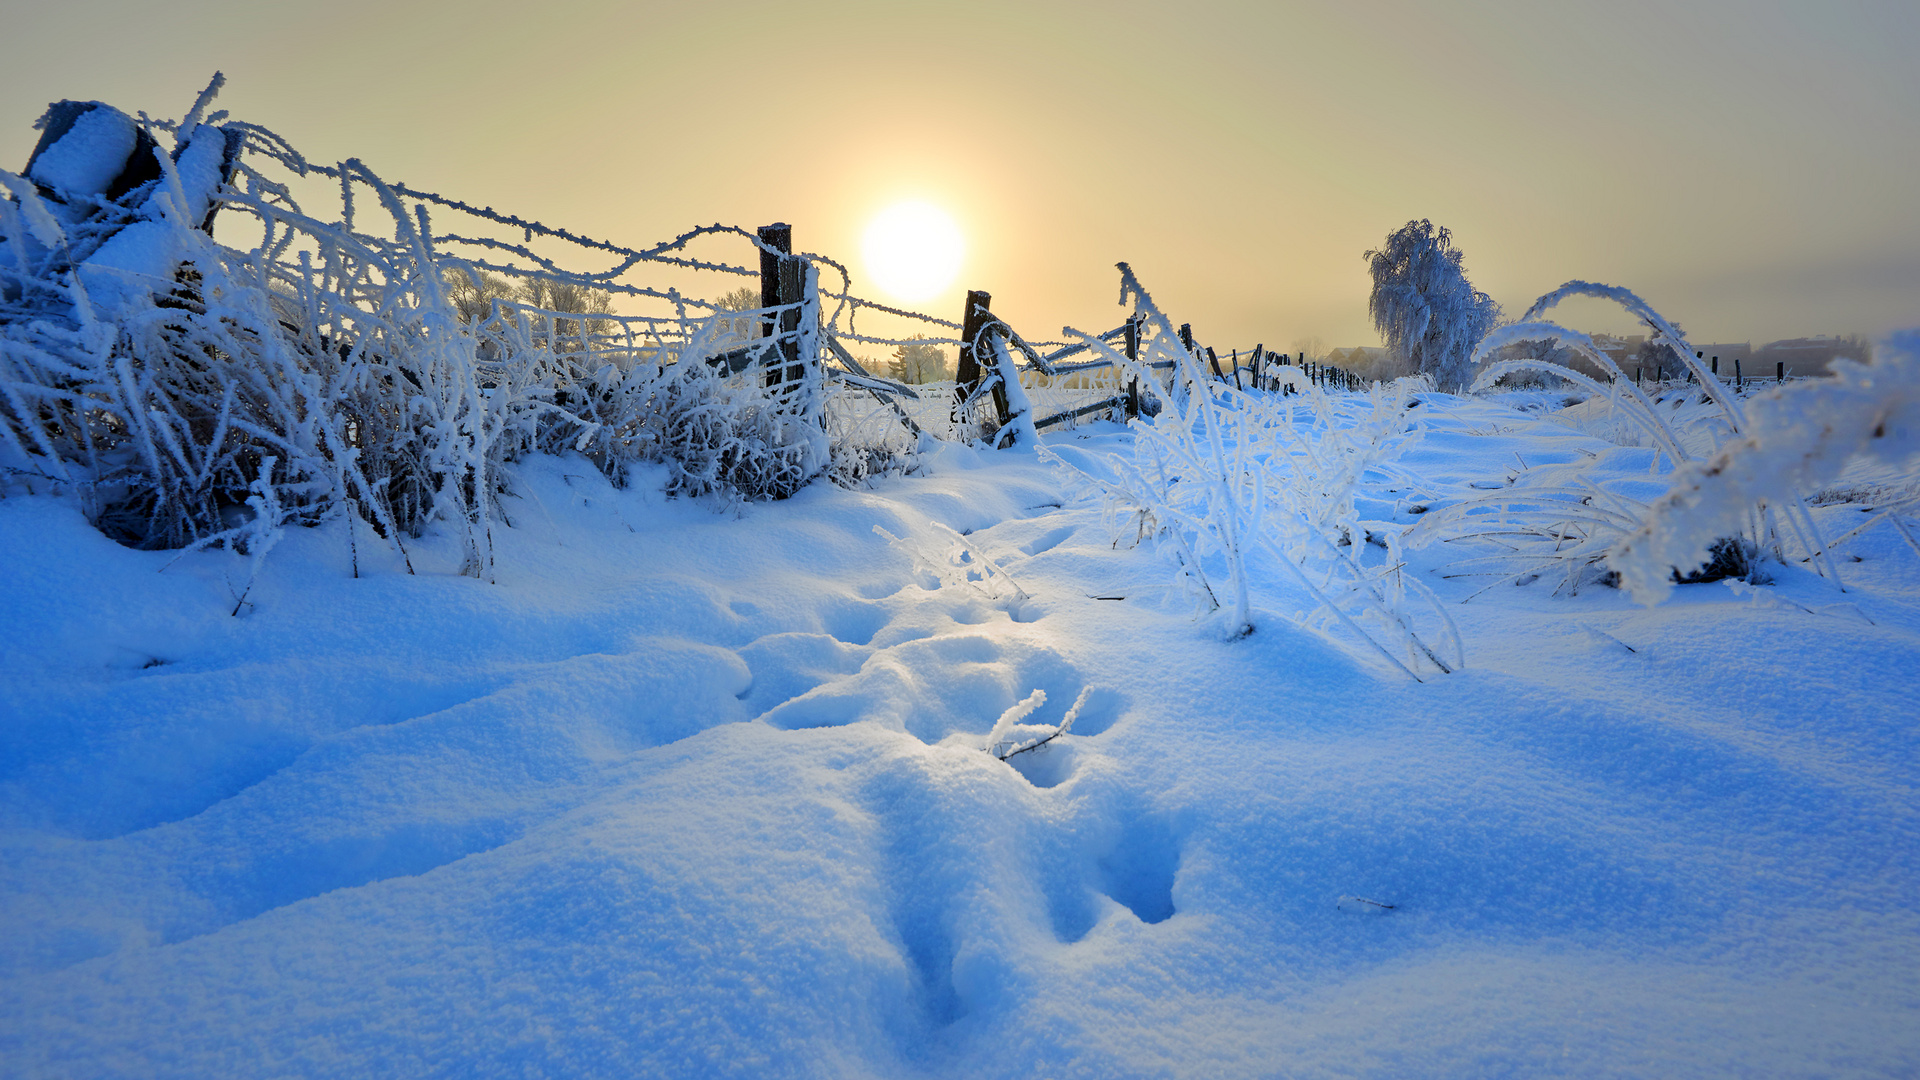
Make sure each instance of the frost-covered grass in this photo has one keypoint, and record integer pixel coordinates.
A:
(1221, 480)
(193, 393)
(687, 794)
(1733, 472)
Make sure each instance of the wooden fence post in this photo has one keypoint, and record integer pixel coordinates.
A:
(1214, 359)
(1259, 368)
(1739, 380)
(968, 372)
(781, 278)
(1779, 371)
(1133, 353)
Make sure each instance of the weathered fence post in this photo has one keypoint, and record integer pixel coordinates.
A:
(782, 280)
(1779, 371)
(1133, 353)
(1716, 365)
(967, 373)
(1259, 367)
(1214, 359)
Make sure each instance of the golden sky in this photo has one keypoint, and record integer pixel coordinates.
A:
(1748, 167)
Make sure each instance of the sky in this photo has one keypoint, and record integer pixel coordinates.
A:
(1747, 167)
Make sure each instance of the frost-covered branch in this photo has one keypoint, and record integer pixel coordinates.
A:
(1563, 516)
(1227, 481)
(1796, 438)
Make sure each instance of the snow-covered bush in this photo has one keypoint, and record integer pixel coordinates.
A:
(864, 441)
(1794, 439)
(378, 368)
(1229, 482)
(717, 433)
(1568, 520)
(140, 363)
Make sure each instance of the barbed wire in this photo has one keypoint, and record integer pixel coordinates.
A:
(847, 335)
(922, 316)
(272, 199)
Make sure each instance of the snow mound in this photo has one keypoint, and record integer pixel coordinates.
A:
(698, 794)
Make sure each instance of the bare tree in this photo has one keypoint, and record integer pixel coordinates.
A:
(1658, 358)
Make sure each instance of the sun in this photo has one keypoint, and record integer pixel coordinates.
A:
(913, 250)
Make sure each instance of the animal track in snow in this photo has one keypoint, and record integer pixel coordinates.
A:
(1138, 870)
(1049, 540)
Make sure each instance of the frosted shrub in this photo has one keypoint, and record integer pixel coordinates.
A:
(1564, 519)
(1226, 481)
(189, 392)
(148, 368)
(717, 433)
(1795, 439)
(866, 442)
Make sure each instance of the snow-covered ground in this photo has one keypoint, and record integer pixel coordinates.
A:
(692, 794)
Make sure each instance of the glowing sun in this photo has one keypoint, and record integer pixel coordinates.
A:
(913, 250)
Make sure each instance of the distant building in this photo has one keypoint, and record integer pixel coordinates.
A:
(1357, 358)
(1728, 352)
(1809, 355)
(1365, 361)
(1621, 350)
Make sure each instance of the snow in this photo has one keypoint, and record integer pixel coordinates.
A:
(706, 793)
(90, 154)
(132, 265)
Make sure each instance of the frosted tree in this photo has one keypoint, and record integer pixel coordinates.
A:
(1424, 306)
(744, 327)
(915, 362)
(572, 298)
(1658, 358)
(473, 292)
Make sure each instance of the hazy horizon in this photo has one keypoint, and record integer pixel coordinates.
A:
(1745, 168)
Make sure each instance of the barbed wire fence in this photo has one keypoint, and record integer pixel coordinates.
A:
(381, 351)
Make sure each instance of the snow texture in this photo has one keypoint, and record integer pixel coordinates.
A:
(687, 794)
(89, 155)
